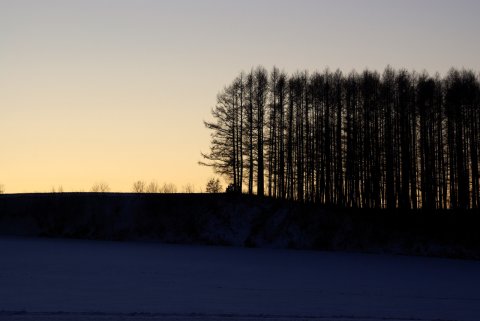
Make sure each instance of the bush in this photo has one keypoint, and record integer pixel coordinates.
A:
(213, 186)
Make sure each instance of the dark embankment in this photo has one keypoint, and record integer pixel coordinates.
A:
(240, 220)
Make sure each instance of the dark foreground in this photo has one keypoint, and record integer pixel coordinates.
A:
(239, 220)
(78, 280)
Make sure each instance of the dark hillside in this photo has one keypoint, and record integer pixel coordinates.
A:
(240, 220)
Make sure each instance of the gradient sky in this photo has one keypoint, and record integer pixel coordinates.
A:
(116, 91)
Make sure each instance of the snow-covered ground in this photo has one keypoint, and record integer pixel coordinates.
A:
(56, 279)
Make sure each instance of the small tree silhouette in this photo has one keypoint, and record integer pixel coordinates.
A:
(152, 187)
(138, 187)
(169, 188)
(189, 188)
(59, 190)
(2, 189)
(232, 189)
(213, 186)
(100, 187)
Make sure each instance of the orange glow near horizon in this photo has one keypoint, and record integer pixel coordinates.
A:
(99, 136)
(115, 92)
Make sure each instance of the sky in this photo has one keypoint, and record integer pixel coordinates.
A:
(116, 91)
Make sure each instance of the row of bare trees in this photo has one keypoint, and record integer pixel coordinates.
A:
(396, 140)
(144, 187)
(153, 187)
(213, 186)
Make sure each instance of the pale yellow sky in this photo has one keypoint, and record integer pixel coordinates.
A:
(116, 91)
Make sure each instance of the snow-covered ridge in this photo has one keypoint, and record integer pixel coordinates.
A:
(238, 220)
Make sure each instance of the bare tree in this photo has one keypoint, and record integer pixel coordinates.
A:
(402, 139)
(169, 188)
(152, 187)
(100, 187)
(189, 188)
(213, 186)
(138, 187)
(226, 156)
(261, 94)
(249, 130)
(58, 190)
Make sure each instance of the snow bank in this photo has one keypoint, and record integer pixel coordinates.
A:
(239, 220)
(57, 279)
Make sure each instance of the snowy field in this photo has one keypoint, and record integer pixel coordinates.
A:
(55, 279)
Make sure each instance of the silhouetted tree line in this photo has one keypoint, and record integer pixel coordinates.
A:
(397, 140)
